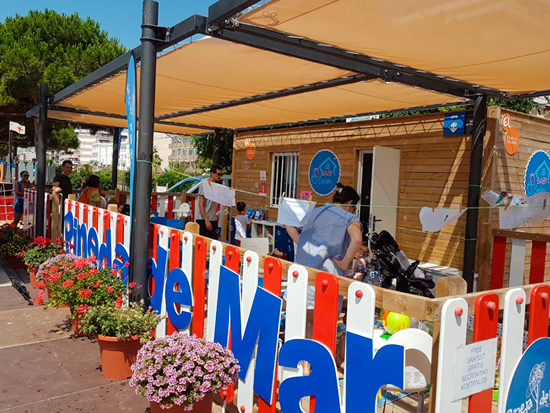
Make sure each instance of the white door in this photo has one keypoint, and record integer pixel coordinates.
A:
(385, 189)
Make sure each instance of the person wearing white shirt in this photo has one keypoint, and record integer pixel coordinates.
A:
(242, 222)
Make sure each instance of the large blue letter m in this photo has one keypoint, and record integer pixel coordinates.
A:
(262, 328)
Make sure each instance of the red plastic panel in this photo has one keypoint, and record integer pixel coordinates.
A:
(85, 209)
(272, 282)
(232, 258)
(95, 218)
(169, 213)
(485, 327)
(106, 223)
(199, 285)
(538, 318)
(232, 262)
(326, 310)
(538, 257)
(154, 203)
(497, 267)
(120, 229)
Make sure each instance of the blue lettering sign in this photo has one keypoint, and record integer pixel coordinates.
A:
(324, 172)
(182, 295)
(321, 383)
(262, 328)
(121, 264)
(93, 243)
(537, 174)
(361, 386)
(158, 271)
(530, 384)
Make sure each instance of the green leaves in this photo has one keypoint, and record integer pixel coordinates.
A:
(45, 46)
(122, 323)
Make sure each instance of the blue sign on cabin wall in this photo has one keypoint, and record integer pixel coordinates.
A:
(537, 174)
(530, 384)
(453, 125)
(324, 172)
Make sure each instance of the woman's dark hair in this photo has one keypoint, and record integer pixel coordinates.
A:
(93, 181)
(344, 194)
(241, 206)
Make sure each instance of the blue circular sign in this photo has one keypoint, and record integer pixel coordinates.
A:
(537, 174)
(530, 382)
(324, 172)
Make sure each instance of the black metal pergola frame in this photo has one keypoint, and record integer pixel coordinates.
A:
(221, 23)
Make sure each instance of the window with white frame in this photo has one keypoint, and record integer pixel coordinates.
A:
(284, 176)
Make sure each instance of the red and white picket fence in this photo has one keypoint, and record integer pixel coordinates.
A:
(196, 255)
(517, 260)
(29, 212)
(163, 203)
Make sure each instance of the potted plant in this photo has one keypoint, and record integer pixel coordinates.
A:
(79, 283)
(13, 242)
(181, 372)
(39, 251)
(120, 333)
(44, 274)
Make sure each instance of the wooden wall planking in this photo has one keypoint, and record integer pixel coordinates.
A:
(508, 173)
(433, 172)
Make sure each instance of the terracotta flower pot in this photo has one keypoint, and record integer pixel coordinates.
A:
(203, 406)
(32, 275)
(117, 356)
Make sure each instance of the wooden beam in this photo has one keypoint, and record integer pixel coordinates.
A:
(529, 236)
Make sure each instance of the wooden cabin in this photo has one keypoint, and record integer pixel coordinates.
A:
(403, 163)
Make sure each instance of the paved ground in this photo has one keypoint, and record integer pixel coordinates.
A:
(46, 369)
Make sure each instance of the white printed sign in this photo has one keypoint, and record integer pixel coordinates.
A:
(474, 368)
(218, 193)
(292, 211)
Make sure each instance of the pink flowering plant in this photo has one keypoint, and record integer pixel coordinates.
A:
(79, 283)
(180, 370)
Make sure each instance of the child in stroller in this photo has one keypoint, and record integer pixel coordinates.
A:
(394, 264)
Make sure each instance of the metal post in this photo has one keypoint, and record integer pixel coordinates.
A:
(10, 158)
(41, 160)
(144, 154)
(116, 151)
(474, 189)
(216, 147)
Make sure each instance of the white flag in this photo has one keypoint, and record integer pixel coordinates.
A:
(16, 127)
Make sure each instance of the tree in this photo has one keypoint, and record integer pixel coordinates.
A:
(45, 46)
(206, 144)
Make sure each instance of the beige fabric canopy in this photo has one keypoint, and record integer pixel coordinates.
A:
(498, 45)
(502, 45)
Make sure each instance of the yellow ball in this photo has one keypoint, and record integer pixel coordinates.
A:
(394, 322)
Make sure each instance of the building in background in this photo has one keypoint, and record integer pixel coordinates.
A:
(182, 152)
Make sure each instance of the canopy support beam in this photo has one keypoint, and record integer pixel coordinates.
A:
(141, 201)
(41, 160)
(332, 56)
(325, 84)
(474, 189)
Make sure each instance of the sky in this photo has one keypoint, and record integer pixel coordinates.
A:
(119, 18)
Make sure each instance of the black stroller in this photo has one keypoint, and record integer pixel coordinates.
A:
(394, 264)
